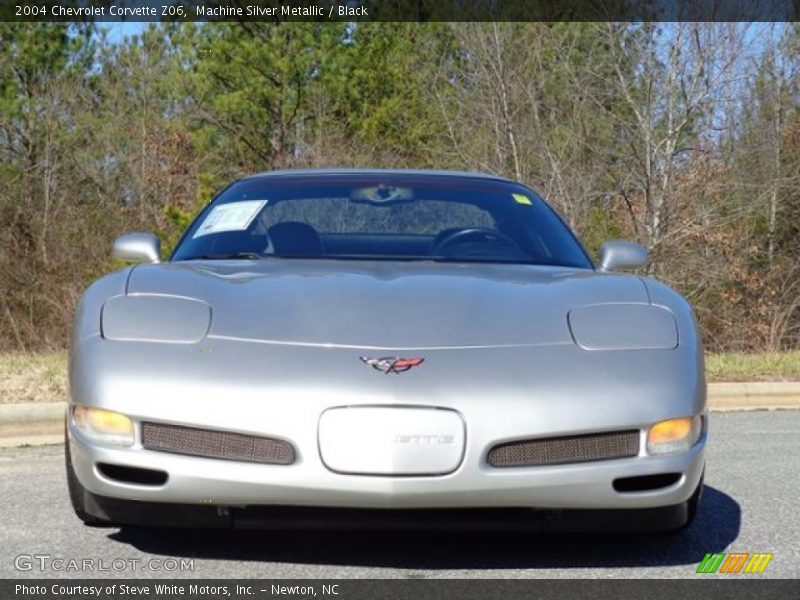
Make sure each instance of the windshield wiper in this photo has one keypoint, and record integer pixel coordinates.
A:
(229, 256)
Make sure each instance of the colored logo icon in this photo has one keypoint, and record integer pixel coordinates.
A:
(734, 562)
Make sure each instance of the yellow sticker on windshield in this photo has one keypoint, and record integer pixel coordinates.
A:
(522, 199)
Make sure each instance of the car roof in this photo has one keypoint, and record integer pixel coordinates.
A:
(387, 172)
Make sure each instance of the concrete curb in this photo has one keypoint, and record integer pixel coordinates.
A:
(36, 424)
(32, 412)
(32, 424)
(754, 395)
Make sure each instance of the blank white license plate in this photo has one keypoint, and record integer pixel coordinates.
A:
(381, 440)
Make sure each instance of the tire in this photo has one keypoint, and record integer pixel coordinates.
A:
(100, 511)
(78, 493)
(693, 503)
(692, 506)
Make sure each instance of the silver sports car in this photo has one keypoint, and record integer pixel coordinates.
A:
(384, 348)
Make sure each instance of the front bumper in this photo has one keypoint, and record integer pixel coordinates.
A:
(260, 391)
(193, 480)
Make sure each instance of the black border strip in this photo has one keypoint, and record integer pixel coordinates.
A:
(398, 10)
(733, 588)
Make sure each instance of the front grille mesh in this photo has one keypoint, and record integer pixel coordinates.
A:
(216, 444)
(564, 450)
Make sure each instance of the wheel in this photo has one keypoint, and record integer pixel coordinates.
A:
(78, 493)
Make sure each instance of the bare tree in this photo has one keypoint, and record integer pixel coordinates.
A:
(671, 103)
(520, 103)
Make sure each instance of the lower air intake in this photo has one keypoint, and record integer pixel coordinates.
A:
(565, 450)
(209, 443)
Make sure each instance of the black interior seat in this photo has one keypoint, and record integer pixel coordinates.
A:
(293, 238)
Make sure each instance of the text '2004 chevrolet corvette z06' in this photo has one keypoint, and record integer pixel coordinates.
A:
(387, 348)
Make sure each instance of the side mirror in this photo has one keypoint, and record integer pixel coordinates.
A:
(618, 255)
(138, 247)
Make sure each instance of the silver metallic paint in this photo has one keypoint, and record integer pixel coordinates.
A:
(636, 327)
(132, 318)
(368, 304)
(138, 247)
(620, 254)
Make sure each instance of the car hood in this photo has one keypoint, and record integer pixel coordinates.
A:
(371, 304)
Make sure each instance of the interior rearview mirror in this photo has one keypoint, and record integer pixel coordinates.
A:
(138, 247)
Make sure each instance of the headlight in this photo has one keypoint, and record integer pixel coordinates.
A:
(623, 327)
(153, 318)
(674, 435)
(103, 426)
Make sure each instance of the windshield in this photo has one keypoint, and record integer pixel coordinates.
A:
(448, 219)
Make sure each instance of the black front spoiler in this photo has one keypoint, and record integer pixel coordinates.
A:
(114, 512)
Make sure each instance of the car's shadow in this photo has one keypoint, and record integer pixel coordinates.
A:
(715, 527)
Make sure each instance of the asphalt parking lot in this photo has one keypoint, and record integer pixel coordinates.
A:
(750, 505)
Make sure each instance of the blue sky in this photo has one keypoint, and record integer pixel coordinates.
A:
(119, 31)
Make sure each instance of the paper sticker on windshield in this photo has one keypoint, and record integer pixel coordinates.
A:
(522, 199)
(235, 216)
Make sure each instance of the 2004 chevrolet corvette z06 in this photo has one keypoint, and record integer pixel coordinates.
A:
(386, 348)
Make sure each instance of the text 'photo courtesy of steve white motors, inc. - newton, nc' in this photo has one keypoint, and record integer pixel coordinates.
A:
(197, 10)
(193, 590)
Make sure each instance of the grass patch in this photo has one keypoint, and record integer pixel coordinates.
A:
(42, 377)
(734, 366)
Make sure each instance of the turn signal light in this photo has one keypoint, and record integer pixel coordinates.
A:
(674, 435)
(104, 426)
